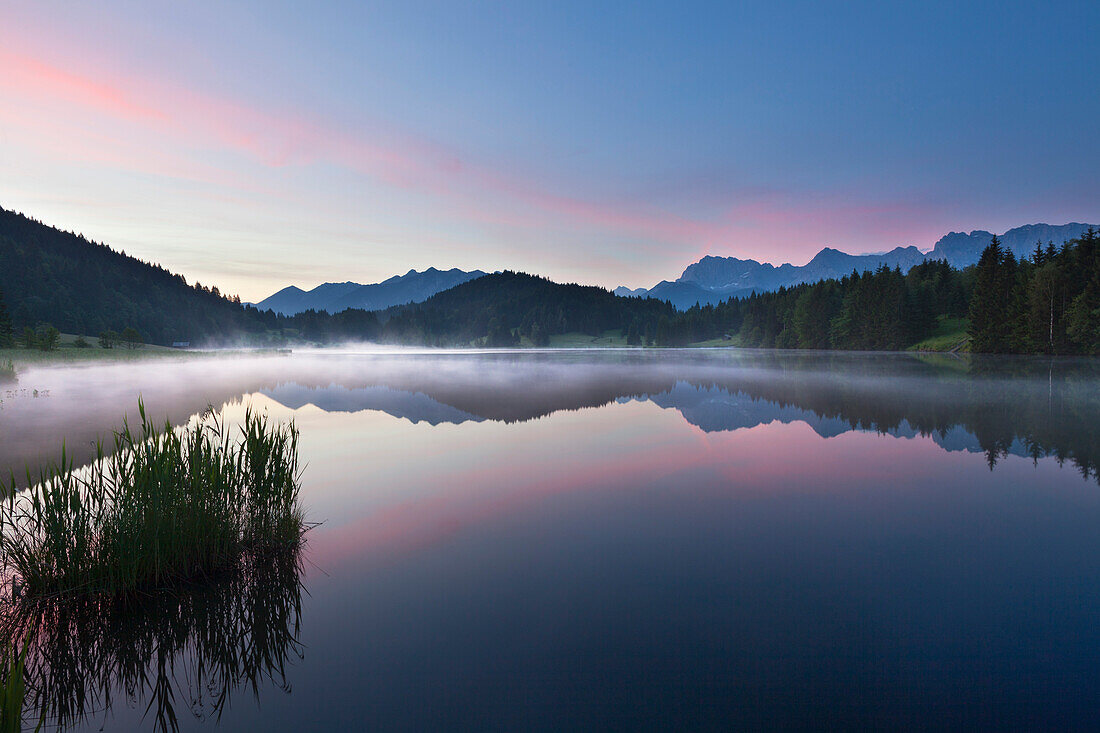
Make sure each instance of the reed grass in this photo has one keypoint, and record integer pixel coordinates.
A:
(165, 505)
(7, 371)
(12, 688)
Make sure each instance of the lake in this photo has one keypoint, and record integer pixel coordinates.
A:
(682, 539)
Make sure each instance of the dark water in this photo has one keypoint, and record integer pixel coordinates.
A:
(687, 539)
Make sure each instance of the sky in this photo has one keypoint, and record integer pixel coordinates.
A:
(258, 145)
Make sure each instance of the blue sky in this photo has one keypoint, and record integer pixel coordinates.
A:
(256, 145)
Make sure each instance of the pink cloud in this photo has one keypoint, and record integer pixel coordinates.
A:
(29, 76)
(173, 117)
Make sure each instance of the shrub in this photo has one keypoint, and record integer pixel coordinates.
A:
(132, 338)
(107, 339)
(46, 337)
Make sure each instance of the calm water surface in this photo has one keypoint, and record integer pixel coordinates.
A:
(615, 540)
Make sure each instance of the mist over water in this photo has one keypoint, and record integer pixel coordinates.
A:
(655, 539)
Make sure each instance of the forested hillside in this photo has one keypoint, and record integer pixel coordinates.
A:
(881, 310)
(83, 287)
(503, 307)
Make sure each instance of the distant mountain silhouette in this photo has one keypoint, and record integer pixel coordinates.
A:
(715, 279)
(961, 249)
(412, 287)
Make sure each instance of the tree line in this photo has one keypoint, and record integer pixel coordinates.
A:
(1047, 303)
(880, 310)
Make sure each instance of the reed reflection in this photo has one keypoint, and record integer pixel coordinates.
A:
(187, 650)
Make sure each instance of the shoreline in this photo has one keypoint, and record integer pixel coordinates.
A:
(23, 359)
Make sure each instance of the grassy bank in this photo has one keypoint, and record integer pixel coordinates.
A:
(950, 335)
(166, 505)
(15, 360)
(67, 353)
(578, 340)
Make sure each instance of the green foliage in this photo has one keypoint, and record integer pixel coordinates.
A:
(881, 310)
(633, 338)
(1048, 304)
(812, 316)
(81, 343)
(994, 284)
(663, 327)
(165, 506)
(1083, 318)
(499, 335)
(46, 337)
(538, 335)
(108, 339)
(950, 335)
(7, 335)
(497, 309)
(12, 689)
(131, 338)
(84, 287)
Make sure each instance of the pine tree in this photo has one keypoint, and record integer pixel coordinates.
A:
(632, 336)
(662, 338)
(989, 327)
(1083, 315)
(7, 339)
(1038, 256)
(1084, 319)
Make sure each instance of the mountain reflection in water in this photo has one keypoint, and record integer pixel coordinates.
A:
(998, 407)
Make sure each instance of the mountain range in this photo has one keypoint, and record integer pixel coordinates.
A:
(710, 280)
(715, 279)
(412, 287)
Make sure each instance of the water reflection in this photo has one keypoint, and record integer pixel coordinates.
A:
(996, 405)
(184, 651)
(639, 540)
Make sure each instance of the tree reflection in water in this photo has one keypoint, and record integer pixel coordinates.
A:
(194, 645)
